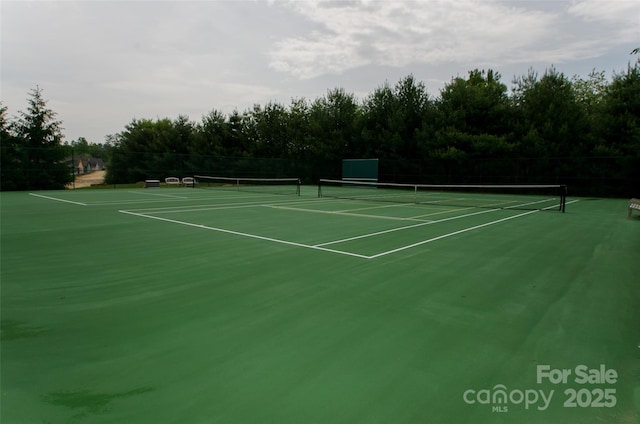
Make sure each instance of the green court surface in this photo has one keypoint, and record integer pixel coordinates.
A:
(179, 305)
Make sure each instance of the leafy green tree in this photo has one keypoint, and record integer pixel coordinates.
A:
(298, 129)
(395, 120)
(41, 158)
(590, 92)
(270, 124)
(129, 162)
(620, 132)
(298, 139)
(472, 129)
(550, 115)
(209, 134)
(139, 151)
(83, 147)
(237, 138)
(410, 116)
(332, 125)
(476, 105)
(177, 139)
(117, 161)
(378, 136)
(180, 137)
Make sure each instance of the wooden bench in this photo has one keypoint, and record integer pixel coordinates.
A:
(188, 182)
(151, 183)
(633, 204)
(172, 181)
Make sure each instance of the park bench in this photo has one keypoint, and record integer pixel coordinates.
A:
(172, 181)
(151, 183)
(633, 204)
(188, 182)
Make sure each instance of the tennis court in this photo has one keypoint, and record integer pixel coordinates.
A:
(222, 305)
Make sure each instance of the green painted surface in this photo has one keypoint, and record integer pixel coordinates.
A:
(182, 315)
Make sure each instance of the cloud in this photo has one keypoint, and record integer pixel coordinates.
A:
(398, 33)
(133, 58)
(615, 11)
(102, 63)
(621, 15)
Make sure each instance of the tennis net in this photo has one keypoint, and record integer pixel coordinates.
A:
(526, 197)
(290, 186)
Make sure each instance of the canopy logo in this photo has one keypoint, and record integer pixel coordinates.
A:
(596, 394)
(500, 398)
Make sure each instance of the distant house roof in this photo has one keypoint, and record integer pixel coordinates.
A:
(87, 163)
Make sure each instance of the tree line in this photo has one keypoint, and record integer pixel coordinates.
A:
(547, 128)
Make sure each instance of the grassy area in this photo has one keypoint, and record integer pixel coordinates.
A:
(197, 306)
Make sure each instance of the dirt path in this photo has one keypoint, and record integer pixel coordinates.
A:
(87, 180)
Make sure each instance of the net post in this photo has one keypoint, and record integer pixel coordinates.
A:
(298, 187)
(563, 197)
(319, 187)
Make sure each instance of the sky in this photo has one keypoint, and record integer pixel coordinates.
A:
(102, 64)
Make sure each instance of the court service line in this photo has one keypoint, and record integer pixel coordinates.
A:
(237, 233)
(429, 223)
(213, 207)
(358, 215)
(464, 230)
(57, 200)
(154, 201)
(404, 228)
(235, 194)
(158, 194)
(205, 208)
(141, 200)
(440, 212)
(395, 205)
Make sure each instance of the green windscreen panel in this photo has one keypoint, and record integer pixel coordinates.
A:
(360, 169)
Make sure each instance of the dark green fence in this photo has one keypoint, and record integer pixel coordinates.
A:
(585, 176)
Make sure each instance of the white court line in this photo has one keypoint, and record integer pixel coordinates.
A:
(464, 230)
(56, 199)
(359, 215)
(197, 208)
(157, 194)
(222, 230)
(405, 228)
(431, 222)
(155, 201)
(214, 194)
(395, 205)
(341, 252)
(204, 208)
(440, 212)
(213, 207)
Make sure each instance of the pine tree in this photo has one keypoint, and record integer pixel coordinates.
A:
(40, 154)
